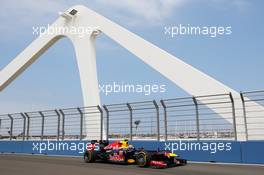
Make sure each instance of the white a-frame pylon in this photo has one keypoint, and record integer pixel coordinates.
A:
(185, 76)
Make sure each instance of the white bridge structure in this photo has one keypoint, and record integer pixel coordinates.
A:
(185, 76)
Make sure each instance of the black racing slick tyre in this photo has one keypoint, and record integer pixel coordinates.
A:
(89, 156)
(143, 159)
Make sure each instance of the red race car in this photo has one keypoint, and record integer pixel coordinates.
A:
(122, 152)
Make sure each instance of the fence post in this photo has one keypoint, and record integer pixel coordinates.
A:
(58, 128)
(130, 121)
(24, 125)
(197, 117)
(107, 121)
(28, 124)
(234, 114)
(165, 119)
(11, 126)
(158, 122)
(244, 114)
(81, 123)
(101, 122)
(63, 124)
(42, 124)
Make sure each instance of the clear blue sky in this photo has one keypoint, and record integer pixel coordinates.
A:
(237, 60)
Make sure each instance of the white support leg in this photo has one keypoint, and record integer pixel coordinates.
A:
(86, 60)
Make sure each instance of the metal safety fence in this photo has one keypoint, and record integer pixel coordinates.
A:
(219, 116)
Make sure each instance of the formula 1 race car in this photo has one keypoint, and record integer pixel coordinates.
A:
(122, 152)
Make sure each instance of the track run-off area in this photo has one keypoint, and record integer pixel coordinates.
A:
(11, 164)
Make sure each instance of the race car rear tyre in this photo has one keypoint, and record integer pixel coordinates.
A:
(143, 159)
(90, 156)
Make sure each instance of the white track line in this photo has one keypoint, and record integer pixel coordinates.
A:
(222, 163)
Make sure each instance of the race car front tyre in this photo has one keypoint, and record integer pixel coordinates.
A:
(89, 156)
(143, 159)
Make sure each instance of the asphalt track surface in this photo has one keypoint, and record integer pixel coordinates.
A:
(45, 165)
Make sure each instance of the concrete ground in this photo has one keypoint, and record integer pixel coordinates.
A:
(46, 165)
